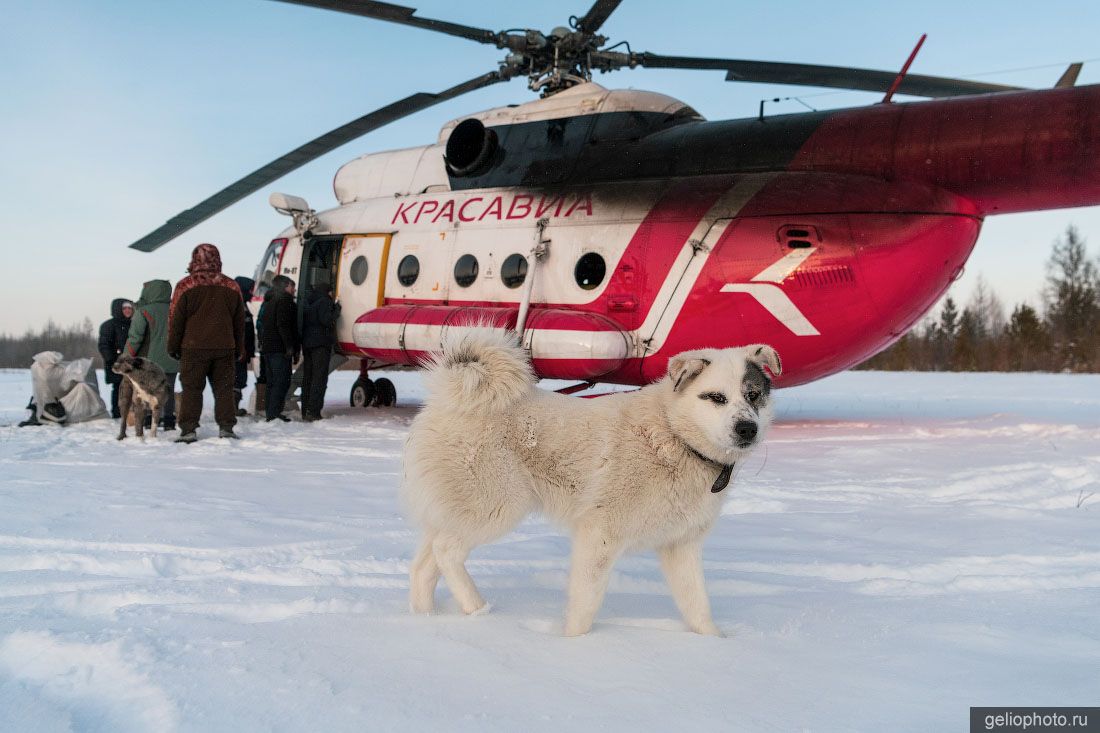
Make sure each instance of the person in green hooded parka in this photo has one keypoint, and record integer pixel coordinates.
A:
(149, 338)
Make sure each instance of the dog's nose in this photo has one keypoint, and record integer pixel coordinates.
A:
(746, 430)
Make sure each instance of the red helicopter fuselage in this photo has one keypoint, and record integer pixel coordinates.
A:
(825, 234)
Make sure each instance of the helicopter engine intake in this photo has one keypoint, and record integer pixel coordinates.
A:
(470, 148)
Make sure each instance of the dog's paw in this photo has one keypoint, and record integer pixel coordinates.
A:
(481, 611)
(419, 609)
(710, 630)
(576, 629)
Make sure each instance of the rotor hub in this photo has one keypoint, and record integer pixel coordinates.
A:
(552, 62)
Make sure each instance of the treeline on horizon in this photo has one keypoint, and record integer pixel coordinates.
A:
(74, 342)
(1063, 334)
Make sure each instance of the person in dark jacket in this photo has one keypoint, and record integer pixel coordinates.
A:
(245, 284)
(112, 339)
(261, 378)
(318, 338)
(279, 346)
(206, 334)
(149, 338)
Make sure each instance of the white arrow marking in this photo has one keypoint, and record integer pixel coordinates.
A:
(774, 300)
(782, 268)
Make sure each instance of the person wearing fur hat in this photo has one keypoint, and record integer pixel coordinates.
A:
(112, 339)
(206, 334)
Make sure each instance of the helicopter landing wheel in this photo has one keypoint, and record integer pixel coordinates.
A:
(385, 394)
(363, 392)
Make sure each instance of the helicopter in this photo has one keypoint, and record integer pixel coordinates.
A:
(612, 229)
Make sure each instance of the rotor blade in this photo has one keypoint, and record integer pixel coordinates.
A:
(839, 77)
(298, 157)
(597, 14)
(399, 14)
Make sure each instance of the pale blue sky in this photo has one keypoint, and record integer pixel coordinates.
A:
(118, 114)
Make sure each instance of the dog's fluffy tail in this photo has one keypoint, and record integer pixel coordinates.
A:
(479, 368)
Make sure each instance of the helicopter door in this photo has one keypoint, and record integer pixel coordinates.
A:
(318, 265)
(360, 278)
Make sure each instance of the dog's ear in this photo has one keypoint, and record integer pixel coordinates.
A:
(765, 356)
(685, 367)
(139, 363)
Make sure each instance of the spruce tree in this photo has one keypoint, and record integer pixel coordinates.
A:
(1028, 342)
(968, 338)
(1072, 303)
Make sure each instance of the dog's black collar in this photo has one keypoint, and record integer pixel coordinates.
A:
(724, 477)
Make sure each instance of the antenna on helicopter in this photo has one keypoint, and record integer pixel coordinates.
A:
(904, 70)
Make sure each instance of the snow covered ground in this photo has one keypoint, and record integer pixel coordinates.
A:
(907, 546)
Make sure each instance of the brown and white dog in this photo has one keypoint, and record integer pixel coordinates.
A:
(144, 387)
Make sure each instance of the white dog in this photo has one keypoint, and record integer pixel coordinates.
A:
(629, 471)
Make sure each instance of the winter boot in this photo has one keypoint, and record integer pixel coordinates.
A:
(168, 423)
(190, 437)
(55, 413)
(33, 419)
(228, 433)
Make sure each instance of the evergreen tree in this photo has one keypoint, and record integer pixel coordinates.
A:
(968, 339)
(947, 328)
(1072, 303)
(949, 319)
(1028, 344)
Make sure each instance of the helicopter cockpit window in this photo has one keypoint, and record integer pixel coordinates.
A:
(408, 270)
(268, 267)
(466, 271)
(590, 271)
(359, 269)
(686, 114)
(513, 271)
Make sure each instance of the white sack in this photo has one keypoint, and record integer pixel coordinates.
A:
(72, 383)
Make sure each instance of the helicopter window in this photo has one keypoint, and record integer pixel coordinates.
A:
(408, 270)
(590, 271)
(268, 267)
(359, 269)
(685, 114)
(466, 270)
(513, 271)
